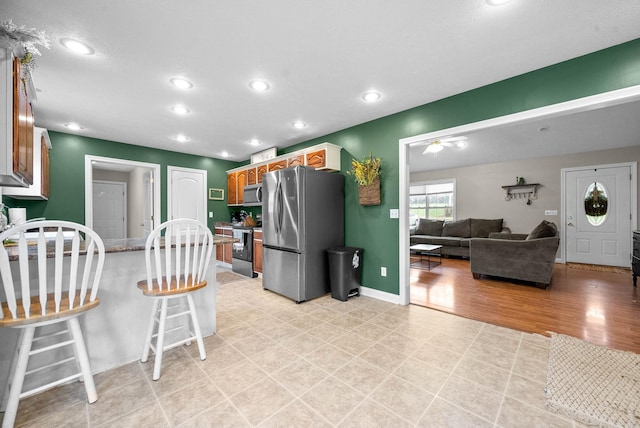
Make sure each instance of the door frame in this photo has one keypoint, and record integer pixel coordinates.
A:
(89, 160)
(634, 201)
(619, 96)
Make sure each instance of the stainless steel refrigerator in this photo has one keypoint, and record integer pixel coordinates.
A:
(302, 217)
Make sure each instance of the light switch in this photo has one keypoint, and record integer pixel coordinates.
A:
(394, 213)
(550, 212)
(210, 214)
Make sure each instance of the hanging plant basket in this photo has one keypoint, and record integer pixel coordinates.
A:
(370, 193)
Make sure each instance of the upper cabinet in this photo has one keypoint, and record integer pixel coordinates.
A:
(16, 123)
(324, 156)
(41, 144)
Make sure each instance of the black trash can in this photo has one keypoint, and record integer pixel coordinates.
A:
(345, 272)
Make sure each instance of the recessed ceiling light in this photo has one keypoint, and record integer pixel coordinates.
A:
(182, 138)
(259, 85)
(180, 82)
(179, 109)
(497, 2)
(77, 47)
(224, 154)
(73, 126)
(298, 124)
(371, 96)
(254, 142)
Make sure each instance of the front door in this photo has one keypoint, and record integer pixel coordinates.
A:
(598, 221)
(187, 196)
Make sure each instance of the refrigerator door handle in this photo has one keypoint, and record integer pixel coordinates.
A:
(278, 208)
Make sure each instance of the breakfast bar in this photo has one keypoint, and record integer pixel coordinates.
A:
(115, 331)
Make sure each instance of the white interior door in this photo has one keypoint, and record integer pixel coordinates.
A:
(604, 238)
(109, 209)
(187, 195)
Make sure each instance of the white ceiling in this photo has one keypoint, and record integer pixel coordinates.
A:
(319, 58)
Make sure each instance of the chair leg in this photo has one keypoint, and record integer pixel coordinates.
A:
(83, 359)
(18, 378)
(12, 369)
(152, 324)
(196, 327)
(160, 340)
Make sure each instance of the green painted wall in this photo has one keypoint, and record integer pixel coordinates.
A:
(370, 227)
(366, 227)
(67, 175)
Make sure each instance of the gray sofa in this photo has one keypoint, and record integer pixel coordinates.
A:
(454, 236)
(517, 256)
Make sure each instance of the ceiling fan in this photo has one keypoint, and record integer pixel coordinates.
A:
(438, 145)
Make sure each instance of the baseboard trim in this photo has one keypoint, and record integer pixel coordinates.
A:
(380, 295)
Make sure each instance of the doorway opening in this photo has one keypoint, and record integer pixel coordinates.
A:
(142, 213)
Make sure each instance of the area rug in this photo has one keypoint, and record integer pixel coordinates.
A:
(592, 384)
(599, 268)
(227, 277)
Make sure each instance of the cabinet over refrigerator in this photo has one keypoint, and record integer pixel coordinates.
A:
(302, 217)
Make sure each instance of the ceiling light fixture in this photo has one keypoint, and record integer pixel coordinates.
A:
(259, 85)
(298, 124)
(434, 147)
(371, 96)
(224, 154)
(180, 82)
(254, 142)
(73, 126)
(77, 47)
(180, 109)
(182, 138)
(497, 2)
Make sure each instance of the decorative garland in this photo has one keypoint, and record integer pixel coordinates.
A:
(12, 37)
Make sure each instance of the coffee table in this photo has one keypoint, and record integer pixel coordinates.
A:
(428, 251)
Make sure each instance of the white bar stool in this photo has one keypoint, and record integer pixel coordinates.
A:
(43, 290)
(174, 276)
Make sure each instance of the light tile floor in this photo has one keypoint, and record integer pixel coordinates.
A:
(322, 363)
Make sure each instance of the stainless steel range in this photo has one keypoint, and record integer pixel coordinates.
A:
(242, 256)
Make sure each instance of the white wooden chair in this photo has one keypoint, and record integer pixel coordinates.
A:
(174, 275)
(51, 282)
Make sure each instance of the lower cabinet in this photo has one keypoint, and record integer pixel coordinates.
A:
(257, 251)
(224, 252)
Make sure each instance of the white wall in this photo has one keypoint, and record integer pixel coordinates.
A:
(135, 203)
(479, 193)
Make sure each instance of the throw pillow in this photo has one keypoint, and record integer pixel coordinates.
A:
(460, 228)
(545, 229)
(481, 228)
(429, 227)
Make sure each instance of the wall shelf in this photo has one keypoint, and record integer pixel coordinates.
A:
(521, 191)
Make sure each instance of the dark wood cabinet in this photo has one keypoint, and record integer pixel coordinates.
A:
(635, 258)
(224, 252)
(22, 126)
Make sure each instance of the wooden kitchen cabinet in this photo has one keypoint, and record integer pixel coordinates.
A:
(22, 126)
(41, 144)
(275, 166)
(241, 181)
(232, 195)
(260, 171)
(252, 177)
(295, 161)
(257, 251)
(224, 252)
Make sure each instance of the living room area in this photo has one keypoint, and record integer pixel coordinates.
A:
(554, 172)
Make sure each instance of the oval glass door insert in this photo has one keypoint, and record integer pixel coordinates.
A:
(596, 204)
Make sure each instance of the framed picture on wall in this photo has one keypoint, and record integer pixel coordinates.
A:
(216, 194)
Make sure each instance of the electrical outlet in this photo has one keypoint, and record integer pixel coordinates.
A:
(394, 213)
(383, 271)
(550, 212)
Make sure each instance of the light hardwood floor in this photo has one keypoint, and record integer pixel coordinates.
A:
(600, 307)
